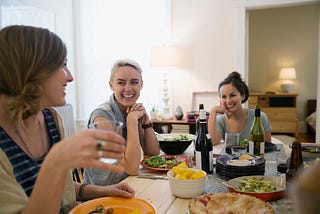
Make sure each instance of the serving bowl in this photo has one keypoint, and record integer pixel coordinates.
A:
(174, 144)
(279, 181)
(187, 188)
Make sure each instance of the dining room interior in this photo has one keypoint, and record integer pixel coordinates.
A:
(211, 39)
(212, 44)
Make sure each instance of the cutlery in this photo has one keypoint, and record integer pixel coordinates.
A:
(152, 176)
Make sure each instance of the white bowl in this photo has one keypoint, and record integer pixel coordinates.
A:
(186, 188)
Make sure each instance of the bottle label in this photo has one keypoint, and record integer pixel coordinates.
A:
(261, 149)
(211, 161)
(258, 151)
(198, 160)
(251, 147)
(208, 136)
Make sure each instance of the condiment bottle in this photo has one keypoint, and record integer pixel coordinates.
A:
(296, 161)
(203, 150)
(256, 138)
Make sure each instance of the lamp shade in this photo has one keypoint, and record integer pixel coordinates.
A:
(164, 56)
(287, 73)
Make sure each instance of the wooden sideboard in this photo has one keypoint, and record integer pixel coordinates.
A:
(169, 124)
(281, 109)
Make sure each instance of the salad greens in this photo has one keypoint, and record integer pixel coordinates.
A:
(258, 185)
(181, 137)
(162, 162)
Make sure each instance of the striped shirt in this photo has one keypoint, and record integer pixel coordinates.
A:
(26, 169)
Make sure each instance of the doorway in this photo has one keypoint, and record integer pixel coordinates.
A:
(241, 59)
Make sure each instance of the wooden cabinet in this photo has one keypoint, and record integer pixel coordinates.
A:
(281, 109)
(182, 126)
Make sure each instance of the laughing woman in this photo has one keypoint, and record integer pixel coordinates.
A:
(35, 158)
(126, 83)
(230, 116)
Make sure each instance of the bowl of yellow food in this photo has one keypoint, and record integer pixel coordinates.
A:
(186, 182)
(267, 188)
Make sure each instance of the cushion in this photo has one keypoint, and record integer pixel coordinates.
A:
(311, 120)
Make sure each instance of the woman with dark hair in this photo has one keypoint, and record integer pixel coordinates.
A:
(230, 116)
(35, 159)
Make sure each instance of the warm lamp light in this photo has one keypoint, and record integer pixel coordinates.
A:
(287, 74)
(164, 56)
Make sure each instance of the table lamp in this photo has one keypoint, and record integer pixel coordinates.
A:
(287, 75)
(164, 56)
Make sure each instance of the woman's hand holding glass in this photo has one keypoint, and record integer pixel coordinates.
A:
(102, 146)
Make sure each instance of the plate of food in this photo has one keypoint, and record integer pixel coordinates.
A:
(114, 205)
(267, 188)
(226, 202)
(163, 162)
(242, 161)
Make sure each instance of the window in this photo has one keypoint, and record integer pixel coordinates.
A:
(106, 31)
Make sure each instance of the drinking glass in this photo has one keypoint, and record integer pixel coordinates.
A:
(115, 126)
(282, 164)
(231, 139)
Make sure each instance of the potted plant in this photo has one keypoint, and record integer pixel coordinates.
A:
(153, 112)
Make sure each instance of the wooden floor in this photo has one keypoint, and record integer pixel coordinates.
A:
(305, 138)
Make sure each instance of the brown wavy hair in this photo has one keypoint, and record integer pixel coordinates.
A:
(234, 78)
(28, 55)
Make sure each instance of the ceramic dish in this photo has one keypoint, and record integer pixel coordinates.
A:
(254, 166)
(175, 144)
(119, 205)
(269, 147)
(187, 188)
(180, 159)
(310, 150)
(279, 181)
(231, 162)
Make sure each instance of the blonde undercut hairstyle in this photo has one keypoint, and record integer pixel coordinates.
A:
(28, 56)
(125, 62)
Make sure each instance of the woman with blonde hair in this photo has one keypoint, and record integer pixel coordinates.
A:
(126, 83)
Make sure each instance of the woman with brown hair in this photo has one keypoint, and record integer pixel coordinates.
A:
(230, 115)
(35, 160)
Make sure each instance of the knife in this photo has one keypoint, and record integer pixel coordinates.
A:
(152, 176)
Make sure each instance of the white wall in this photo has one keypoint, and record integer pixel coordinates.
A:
(205, 28)
(212, 31)
(62, 10)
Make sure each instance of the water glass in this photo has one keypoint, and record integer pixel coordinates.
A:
(231, 139)
(282, 164)
(115, 126)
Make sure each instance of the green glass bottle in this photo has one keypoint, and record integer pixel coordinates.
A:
(256, 138)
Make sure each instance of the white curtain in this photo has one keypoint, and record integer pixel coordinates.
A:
(108, 30)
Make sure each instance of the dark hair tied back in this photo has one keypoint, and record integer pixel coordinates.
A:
(234, 78)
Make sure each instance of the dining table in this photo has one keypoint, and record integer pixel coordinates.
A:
(153, 186)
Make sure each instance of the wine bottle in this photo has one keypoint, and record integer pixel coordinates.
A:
(256, 138)
(203, 150)
(296, 161)
(201, 106)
